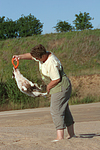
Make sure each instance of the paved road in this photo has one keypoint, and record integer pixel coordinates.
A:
(81, 113)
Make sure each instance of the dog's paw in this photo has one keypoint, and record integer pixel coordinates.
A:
(24, 88)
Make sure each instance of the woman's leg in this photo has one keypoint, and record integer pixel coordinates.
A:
(69, 122)
(70, 130)
(60, 111)
(57, 112)
(60, 134)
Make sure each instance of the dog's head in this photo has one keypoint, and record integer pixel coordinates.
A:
(15, 72)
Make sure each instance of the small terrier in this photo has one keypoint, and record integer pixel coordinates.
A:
(26, 86)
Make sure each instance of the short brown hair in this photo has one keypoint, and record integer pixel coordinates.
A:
(38, 51)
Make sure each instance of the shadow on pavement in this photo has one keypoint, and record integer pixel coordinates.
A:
(88, 135)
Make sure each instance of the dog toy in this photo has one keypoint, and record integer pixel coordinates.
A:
(15, 66)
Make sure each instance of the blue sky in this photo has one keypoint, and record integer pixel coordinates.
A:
(50, 12)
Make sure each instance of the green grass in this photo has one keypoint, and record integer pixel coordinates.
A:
(85, 100)
(78, 51)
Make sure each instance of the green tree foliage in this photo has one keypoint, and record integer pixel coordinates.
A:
(63, 26)
(10, 29)
(2, 28)
(7, 28)
(82, 21)
(29, 25)
(23, 27)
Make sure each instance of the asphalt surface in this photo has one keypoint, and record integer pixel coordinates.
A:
(81, 113)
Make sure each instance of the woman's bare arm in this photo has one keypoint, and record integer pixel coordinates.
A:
(27, 56)
(52, 84)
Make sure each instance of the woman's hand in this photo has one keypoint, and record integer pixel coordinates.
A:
(48, 89)
(16, 57)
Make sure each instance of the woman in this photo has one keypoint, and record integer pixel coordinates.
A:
(58, 85)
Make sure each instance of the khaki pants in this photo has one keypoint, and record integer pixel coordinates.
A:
(60, 112)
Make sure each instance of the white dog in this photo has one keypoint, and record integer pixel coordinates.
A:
(26, 86)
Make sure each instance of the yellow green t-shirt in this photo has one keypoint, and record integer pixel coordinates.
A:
(52, 69)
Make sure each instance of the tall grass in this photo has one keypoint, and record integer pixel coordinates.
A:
(88, 99)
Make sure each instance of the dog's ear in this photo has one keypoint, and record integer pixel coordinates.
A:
(13, 76)
(13, 68)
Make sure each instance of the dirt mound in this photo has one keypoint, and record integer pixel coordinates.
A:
(88, 85)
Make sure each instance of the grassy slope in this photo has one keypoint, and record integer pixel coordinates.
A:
(79, 53)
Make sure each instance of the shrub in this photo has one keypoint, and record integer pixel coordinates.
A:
(3, 93)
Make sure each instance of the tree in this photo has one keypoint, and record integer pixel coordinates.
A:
(63, 26)
(82, 21)
(7, 28)
(2, 20)
(23, 27)
(29, 25)
(10, 30)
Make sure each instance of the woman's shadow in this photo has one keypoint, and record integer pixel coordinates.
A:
(88, 135)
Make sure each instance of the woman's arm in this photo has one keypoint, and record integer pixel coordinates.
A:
(27, 56)
(52, 84)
